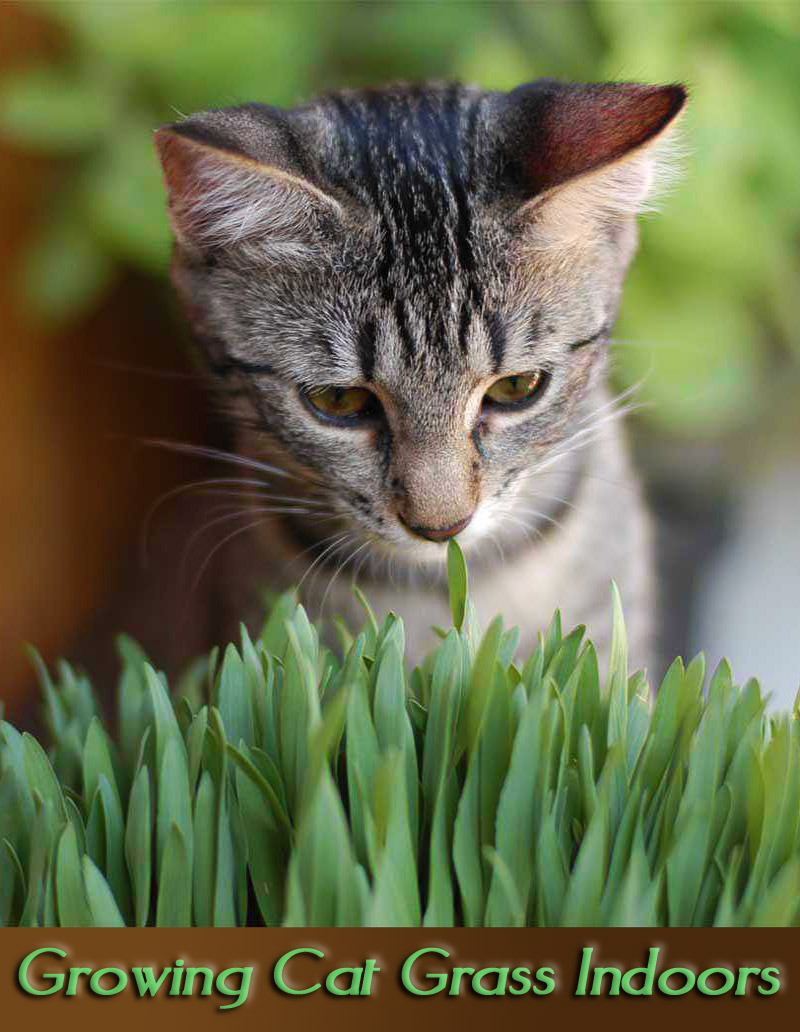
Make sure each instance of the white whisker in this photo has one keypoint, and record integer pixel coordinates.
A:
(220, 544)
(203, 451)
(237, 513)
(340, 538)
(261, 496)
(338, 570)
(540, 516)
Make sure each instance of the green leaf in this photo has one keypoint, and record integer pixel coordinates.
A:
(102, 905)
(233, 698)
(205, 846)
(362, 751)
(138, 845)
(618, 675)
(481, 682)
(267, 848)
(41, 777)
(395, 894)
(585, 889)
(71, 901)
(174, 905)
(174, 806)
(266, 790)
(456, 583)
(299, 712)
(326, 888)
(12, 886)
(97, 763)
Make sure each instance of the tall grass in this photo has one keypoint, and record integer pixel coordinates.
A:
(284, 785)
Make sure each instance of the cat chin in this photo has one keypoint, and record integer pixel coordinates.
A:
(414, 551)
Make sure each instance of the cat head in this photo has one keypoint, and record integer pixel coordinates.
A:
(411, 288)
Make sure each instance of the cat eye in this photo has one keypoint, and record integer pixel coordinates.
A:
(342, 404)
(519, 389)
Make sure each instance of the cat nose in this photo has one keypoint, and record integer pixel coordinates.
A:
(439, 533)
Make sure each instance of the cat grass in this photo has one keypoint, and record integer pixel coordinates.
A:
(280, 784)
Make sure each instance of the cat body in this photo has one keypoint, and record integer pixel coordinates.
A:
(405, 298)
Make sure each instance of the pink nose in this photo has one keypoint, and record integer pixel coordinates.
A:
(439, 533)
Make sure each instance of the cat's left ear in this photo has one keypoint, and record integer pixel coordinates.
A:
(582, 155)
(237, 178)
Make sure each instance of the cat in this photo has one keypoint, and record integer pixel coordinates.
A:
(405, 297)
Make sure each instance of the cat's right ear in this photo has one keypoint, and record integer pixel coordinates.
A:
(238, 189)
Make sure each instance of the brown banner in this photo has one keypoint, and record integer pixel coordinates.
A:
(210, 978)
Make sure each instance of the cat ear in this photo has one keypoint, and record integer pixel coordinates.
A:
(232, 180)
(584, 154)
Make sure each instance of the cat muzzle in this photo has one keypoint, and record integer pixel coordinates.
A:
(438, 533)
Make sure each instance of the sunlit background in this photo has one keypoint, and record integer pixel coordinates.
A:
(93, 355)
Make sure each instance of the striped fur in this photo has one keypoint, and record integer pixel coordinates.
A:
(423, 241)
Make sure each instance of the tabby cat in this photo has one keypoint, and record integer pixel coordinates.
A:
(405, 297)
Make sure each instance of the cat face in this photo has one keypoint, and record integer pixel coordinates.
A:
(411, 289)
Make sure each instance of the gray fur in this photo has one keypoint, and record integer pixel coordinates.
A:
(385, 238)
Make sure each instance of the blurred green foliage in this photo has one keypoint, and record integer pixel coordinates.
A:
(711, 311)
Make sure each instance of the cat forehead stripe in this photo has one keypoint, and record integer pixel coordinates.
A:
(366, 345)
(415, 153)
(497, 340)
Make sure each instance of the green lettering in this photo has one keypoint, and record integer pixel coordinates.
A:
(702, 981)
(545, 976)
(353, 988)
(586, 967)
(277, 974)
(597, 981)
(146, 982)
(458, 974)
(521, 982)
(664, 977)
(500, 985)
(239, 991)
(22, 975)
(188, 982)
(366, 983)
(744, 974)
(74, 975)
(177, 977)
(771, 977)
(94, 981)
(405, 973)
(649, 973)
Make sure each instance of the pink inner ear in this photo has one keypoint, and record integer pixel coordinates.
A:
(179, 159)
(204, 185)
(588, 127)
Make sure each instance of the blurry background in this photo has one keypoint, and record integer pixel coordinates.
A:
(92, 355)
